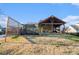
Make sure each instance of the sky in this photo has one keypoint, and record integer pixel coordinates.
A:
(34, 12)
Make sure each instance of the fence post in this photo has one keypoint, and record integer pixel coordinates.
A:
(7, 22)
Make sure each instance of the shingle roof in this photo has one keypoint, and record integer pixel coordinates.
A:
(55, 19)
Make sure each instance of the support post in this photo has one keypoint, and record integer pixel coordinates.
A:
(60, 29)
(52, 27)
(52, 23)
(41, 29)
(64, 28)
(6, 31)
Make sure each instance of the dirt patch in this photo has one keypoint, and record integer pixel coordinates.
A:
(43, 46)
(37, 49)
(19, 39)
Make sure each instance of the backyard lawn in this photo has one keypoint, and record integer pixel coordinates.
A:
(66, 36)
(55, 39)
(40, 45)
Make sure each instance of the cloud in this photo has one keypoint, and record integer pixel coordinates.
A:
(75, 4)
(71, 20)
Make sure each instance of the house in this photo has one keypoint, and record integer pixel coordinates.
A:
(73, 28)
(51, 24)
(70, 29)
(31, 27)
(76, 26)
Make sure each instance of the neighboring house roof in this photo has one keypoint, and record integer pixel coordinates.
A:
(73, 28)
(29, 26)
(76, 26)
(70, 29)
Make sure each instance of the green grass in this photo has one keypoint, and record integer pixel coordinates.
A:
(65, 36)
(58, 44)
(73, 37)
(14, 36)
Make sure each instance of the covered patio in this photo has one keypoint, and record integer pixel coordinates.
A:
(52, 24)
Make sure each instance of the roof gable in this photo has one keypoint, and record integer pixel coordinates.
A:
(52, 19)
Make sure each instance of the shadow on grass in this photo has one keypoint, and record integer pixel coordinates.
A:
(15, 36)
(29, 38)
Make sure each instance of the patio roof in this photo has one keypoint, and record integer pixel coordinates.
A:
(52, 19)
